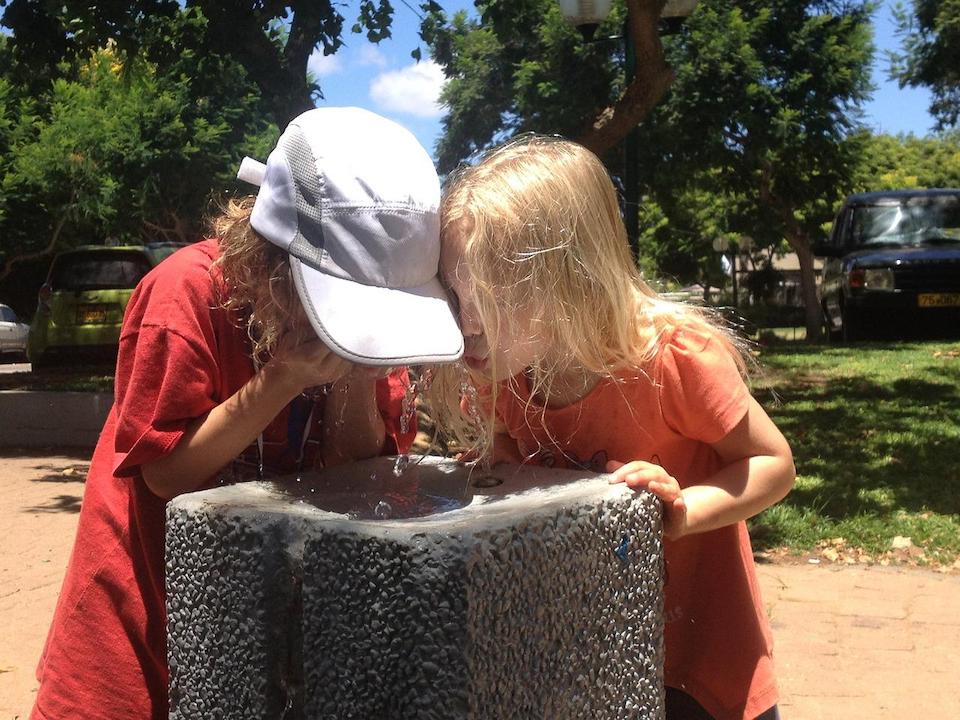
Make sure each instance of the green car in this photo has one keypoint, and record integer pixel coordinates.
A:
(80, 307)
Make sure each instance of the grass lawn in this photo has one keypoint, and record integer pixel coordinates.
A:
(875, 431)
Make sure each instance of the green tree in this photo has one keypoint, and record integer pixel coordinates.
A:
(520, 66)
(765, 114)
(758, 133)
(125, 154)
(930, 54)
(271, 40)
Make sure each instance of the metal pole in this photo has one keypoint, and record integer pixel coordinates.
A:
(733, 273)
(631, 184)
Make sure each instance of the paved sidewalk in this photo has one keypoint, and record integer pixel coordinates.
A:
(852, 642)
(865, 642)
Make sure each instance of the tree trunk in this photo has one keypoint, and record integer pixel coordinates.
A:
(800, 242)
(281, 77)
(813, 317)
(652, 80)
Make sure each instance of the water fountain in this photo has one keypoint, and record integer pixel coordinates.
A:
(418, 588)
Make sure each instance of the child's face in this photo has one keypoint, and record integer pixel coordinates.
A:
(518, 344)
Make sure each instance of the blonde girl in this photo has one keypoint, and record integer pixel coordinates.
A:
(580, 364)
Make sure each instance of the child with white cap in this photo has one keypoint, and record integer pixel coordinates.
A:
(265, 350)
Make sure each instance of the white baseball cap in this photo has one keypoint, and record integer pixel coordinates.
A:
(355, 199)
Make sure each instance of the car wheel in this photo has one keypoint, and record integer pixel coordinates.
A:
(830, 333)
(853, 325)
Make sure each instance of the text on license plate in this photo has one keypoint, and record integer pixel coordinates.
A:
(91, 314)
(938, 299)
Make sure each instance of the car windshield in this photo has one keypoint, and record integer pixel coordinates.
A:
(98, 271)
(910, 222)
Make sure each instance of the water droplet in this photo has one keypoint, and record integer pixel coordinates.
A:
(400, 465)
(373, 478)
(383, 510)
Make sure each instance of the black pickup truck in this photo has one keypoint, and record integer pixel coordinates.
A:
(893, 265)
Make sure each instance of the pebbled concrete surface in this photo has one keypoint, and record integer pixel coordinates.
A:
(514, 602)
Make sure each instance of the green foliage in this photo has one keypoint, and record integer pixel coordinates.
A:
(272, 41)
(890, 163)
(521, 67)
(762, 116)
(758, 134)
(126, 153)
(931, 54)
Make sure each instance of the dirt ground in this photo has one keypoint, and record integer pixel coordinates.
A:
(38, 517)
(852, 642)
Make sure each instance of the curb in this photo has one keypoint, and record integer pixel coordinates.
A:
(30, 419)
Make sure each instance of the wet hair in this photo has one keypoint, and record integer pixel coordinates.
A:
(540, 228)
(257, 284)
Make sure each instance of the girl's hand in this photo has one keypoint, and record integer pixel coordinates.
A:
(308, 363)
(648, 476)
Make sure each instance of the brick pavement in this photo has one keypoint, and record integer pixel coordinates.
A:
(864, 642)
(851, 642)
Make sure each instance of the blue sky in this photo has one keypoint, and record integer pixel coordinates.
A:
(385, 79)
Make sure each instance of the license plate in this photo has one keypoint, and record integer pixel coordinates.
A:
(934, 300)
(91, 315)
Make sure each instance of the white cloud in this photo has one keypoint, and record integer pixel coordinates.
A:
(371, 55)
(324, 65)
(414, 90)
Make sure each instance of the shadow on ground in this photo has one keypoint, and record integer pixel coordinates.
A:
(60, 503)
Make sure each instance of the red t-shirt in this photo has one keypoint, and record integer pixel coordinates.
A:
(718, 642)
(180, 356)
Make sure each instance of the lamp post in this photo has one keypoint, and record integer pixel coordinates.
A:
(721, 244)
(587, 15)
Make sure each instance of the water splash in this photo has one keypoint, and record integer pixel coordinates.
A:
(407, 406)
(469, 393)
(426, 379)
(342, 389)
(400, 465)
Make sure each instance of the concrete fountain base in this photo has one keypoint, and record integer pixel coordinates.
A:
(441, 593)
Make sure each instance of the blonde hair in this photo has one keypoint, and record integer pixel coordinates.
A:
(257, 281)
(540, 228)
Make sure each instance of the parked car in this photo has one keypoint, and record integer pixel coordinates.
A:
(80, 307)
(893, 264)
(13, 334)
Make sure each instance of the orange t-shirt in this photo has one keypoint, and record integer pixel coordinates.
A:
(718, 642)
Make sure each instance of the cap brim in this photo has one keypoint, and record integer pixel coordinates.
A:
(372, 325)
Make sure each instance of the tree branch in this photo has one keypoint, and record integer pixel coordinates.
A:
(651, 81)
(25, 257)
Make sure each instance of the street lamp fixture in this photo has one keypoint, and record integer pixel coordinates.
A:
(586, 15)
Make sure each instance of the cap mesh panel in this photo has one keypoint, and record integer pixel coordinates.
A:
(307, 245)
